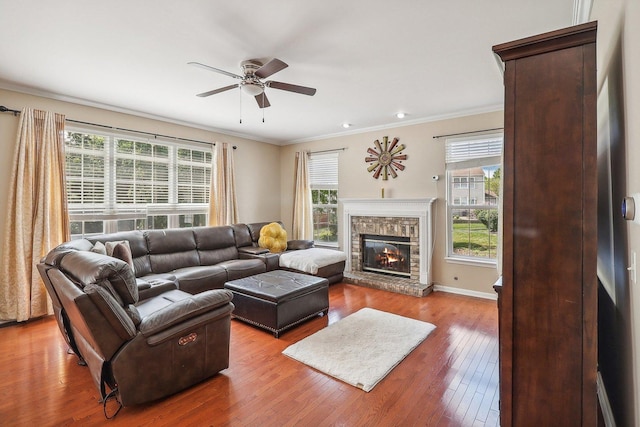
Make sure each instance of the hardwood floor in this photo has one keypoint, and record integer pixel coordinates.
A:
(450, 379)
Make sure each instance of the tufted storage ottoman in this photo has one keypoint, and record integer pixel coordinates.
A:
(279, 299)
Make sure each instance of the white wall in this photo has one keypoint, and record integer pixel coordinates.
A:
(619, 43)
(425, 159)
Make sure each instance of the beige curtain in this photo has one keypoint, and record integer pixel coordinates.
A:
(37, 218)
(302, 210)
(223, 207)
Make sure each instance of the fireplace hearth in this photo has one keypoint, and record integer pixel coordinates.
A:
(386, 254)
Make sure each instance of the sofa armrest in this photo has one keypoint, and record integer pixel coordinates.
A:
(294, 245)
(252, 250)
(271, 261)
(184, 309)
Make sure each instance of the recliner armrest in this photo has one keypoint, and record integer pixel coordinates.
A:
(184, 309)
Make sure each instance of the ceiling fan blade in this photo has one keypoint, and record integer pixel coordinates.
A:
(291, 88)
(217, 70)
(213, 92)
(270, 68)
(263, 101)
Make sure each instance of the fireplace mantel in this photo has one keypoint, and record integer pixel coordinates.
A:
(390, 208)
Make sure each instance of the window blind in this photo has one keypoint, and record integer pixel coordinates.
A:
(467, 150)
(323, 170)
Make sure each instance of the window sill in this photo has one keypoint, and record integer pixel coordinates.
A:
(471, 262)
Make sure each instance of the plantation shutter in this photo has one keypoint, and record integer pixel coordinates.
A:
(462, 153)
(141, 174)
(121, 176)
(323, 170)
(86, 172)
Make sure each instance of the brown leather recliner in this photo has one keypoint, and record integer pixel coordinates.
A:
(140, 350)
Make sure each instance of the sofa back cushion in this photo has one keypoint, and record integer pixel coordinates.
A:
(242, 235)
(56, 254)
(171, 249)
(215, 244)
(113, 275)
(137, 244)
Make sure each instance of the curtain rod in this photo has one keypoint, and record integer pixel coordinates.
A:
(466, 133)
(328, 151)
(4, 109)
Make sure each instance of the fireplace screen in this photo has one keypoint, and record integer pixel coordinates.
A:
(386, 254)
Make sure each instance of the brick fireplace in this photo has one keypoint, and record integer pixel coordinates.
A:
(409, 219)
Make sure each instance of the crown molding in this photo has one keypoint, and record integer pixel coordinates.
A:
(87, 103)
(403, 123)
(581, 11)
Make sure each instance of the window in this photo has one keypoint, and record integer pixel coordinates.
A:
(323, 177)
(121, 183)
(473, 176)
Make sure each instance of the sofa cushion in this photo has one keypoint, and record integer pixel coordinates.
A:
(119, 249)
(239, 268)
(151, 305)
(171, 249)
(242, 235)
(137, 244)
(201, 278)
(185, 308)
(215, 244)
(100, 248)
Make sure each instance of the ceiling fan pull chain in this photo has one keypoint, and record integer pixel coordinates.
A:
(240, 93)
(262, 105)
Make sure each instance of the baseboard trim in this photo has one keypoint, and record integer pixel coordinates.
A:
(466, 292)
(603, 398)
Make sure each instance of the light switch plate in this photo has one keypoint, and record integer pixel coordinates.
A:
(632, 268)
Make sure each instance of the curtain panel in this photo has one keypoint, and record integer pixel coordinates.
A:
(37, 219)
(223, 207)
(302, 207)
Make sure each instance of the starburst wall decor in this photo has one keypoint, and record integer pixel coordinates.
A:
(385, 159)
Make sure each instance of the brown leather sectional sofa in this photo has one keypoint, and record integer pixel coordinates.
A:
(169, 313)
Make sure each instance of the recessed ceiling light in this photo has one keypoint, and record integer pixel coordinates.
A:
(400, 115)
(346, 125)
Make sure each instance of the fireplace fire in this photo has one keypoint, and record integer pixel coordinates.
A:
(386, 254)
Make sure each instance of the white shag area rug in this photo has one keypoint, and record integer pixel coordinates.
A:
(362, 348)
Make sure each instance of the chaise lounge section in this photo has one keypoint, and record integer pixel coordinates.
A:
(301, 256)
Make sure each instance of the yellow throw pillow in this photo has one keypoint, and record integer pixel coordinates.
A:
(273, 237)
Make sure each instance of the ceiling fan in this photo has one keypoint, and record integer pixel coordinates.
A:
(251, 82)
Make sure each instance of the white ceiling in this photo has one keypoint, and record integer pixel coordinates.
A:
(368, 59)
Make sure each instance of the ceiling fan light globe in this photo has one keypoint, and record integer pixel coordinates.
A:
(252, 89)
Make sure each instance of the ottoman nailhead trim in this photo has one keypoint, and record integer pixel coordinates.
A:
(277, 331)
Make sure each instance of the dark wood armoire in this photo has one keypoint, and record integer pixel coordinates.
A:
(548, 298)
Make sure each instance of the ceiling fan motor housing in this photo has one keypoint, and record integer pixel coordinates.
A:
(250, 67)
